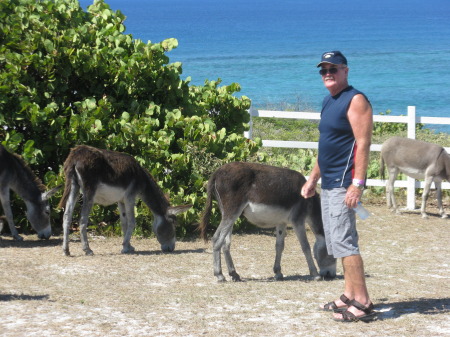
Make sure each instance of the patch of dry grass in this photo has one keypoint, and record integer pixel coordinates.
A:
(43, 293)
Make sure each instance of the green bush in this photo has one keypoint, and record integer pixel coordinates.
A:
(70, 77)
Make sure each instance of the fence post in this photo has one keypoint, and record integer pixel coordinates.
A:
(412, 122)
(411, 182)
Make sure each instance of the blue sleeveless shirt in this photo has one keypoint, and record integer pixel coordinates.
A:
(337, 145)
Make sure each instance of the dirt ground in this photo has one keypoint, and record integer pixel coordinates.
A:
(43, 293)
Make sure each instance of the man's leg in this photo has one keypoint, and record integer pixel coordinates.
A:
(332, 215)
(355, 283)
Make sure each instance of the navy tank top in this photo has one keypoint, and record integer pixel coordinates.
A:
(337, 145)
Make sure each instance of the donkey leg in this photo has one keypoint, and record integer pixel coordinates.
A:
(68, 213)
(6, 204)
(438, 185)
(425, 194)
(390, 197)
(123, 217)
(279, 248)
(128, 209)
(229, 261)
(88, 202)
(300, 231)
(218, 242)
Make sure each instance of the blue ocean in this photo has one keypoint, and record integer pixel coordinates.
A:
(398, 50)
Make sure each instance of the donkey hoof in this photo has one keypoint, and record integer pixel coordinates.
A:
(444, 216)
(88, 252)
(235, 277)
(221, 279)
(328, 276)
(279, 277)
(128, 250)
(18, 237)
(66, 252)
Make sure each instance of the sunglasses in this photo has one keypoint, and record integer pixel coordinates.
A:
(331, 71)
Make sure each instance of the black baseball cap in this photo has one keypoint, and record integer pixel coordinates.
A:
(333, 57)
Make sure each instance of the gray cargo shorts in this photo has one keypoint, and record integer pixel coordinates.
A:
(339, 223)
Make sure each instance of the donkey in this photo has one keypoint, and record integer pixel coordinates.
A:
(107, 177)
(268, 197)
(419, 160)
(17, 176)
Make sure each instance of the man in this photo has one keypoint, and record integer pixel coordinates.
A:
(344, 144)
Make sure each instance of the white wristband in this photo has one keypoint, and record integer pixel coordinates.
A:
(358, 183)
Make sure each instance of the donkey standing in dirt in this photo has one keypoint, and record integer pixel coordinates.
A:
(108, 177)
(16, 175)
(268, 197)
(419, 160)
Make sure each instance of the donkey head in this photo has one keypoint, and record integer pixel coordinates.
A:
(164, 227)
(326, 262)
(38, 213)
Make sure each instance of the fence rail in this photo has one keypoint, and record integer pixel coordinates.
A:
(411, 119)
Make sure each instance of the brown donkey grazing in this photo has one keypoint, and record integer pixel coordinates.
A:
(419, 160)
(107, 177)
(268, 197)
(15, 175)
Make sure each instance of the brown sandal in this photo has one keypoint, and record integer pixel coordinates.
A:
(332, 306)
(347, 316)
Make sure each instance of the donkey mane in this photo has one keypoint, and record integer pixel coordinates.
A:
(155, 188)
(121, 166)
(28, 172)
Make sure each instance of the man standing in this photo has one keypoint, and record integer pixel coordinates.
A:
(344, 144)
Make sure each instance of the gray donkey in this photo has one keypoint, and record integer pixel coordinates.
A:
(17, 176)
(108, 177)
(268, 197)
(419, 160)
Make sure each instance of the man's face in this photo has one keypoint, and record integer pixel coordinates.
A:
(334, 76)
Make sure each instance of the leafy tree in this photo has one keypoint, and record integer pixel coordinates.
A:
(71, 77)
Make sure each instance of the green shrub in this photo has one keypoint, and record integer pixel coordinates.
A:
(70, 77)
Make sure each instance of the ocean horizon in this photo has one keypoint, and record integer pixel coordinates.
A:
(395, 49)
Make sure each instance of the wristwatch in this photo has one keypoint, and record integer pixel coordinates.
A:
(358, 183)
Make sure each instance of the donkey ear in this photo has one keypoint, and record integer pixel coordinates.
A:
(174, 210)
(48, 194)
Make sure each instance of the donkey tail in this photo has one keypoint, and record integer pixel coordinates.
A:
(382, 167)
(206, 214)
(69, 172)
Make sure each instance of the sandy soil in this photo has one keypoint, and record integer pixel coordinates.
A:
(43, 293)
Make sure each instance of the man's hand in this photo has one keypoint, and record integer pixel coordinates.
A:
(353, 196)
(308, 189)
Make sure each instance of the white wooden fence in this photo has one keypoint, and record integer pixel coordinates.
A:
(411, 119)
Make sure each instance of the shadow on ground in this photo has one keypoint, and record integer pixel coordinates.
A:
(11, 243)
(22, 297)
(424, 306)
